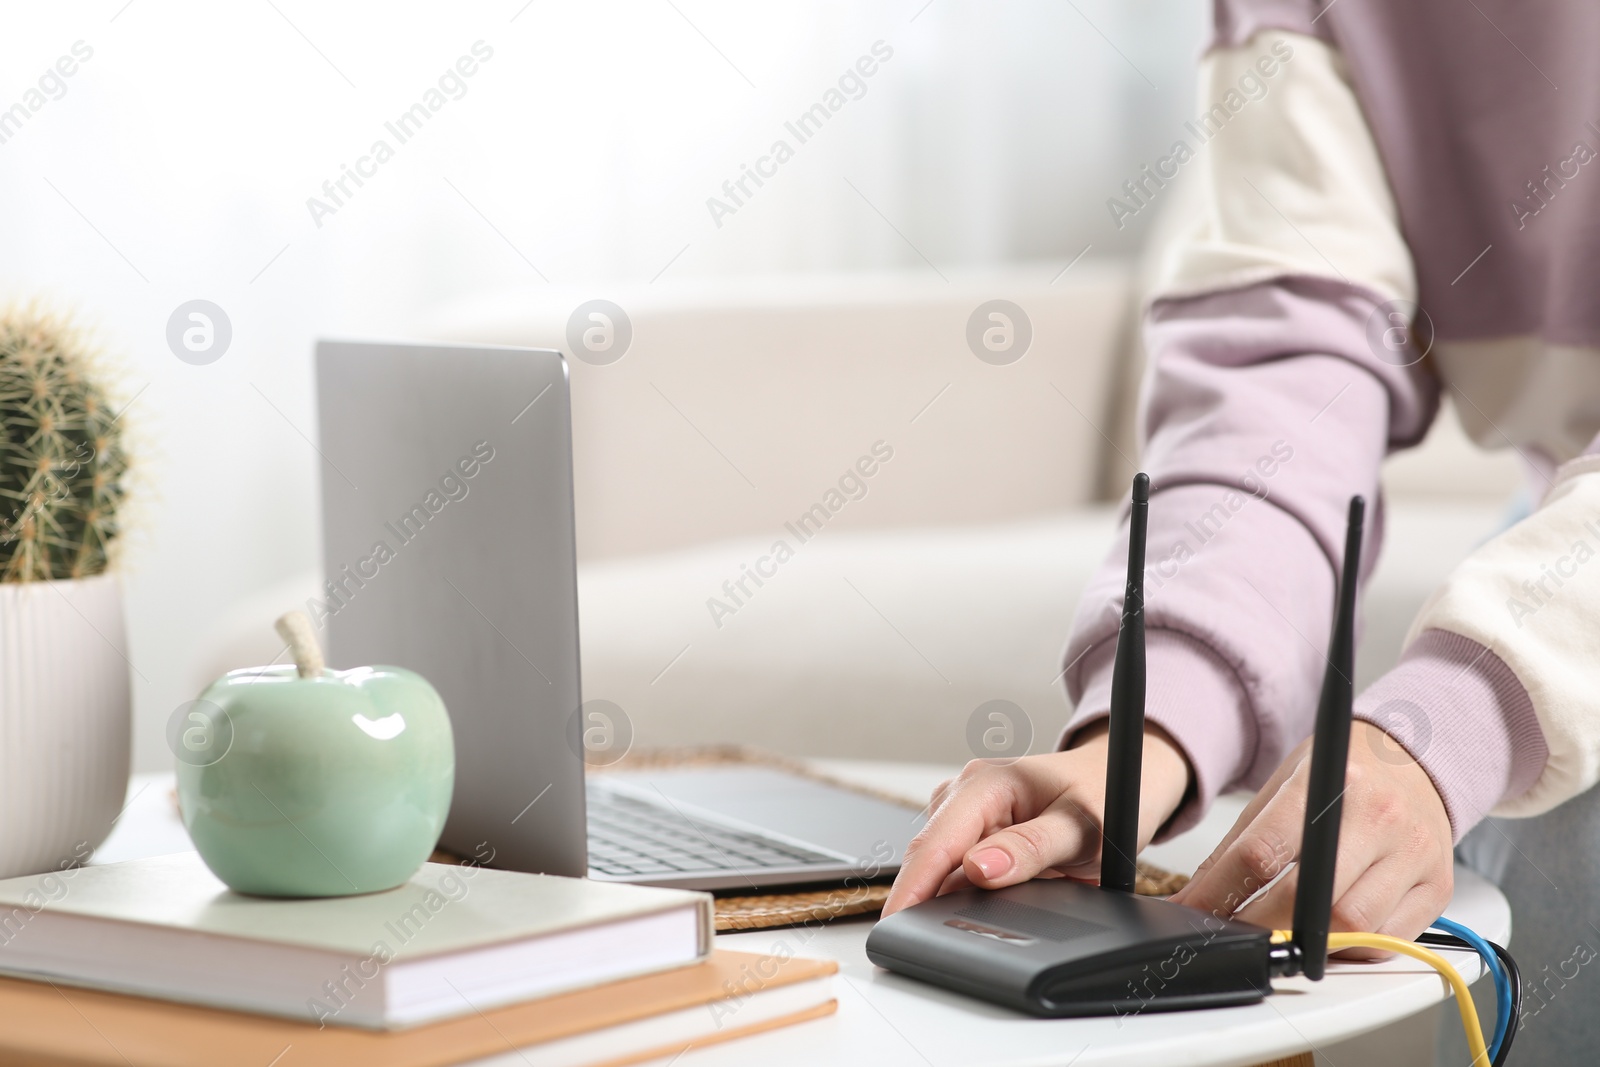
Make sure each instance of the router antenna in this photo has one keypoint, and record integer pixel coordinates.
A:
(1330, 751)
(1119, 841)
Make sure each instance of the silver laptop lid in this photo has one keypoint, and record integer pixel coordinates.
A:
(439, 463)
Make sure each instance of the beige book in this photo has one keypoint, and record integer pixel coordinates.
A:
(732, 994)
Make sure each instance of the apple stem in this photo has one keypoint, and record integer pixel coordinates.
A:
(295, 628)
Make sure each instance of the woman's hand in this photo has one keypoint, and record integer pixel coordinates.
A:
(996, 824)
(1395, 870)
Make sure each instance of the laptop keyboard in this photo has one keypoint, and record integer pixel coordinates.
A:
(628, 836)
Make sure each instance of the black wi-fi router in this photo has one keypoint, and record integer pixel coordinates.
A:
(1057, 947)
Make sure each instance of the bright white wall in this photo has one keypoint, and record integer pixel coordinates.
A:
(178, 162)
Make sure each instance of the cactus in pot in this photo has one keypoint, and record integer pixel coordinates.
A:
(65, 710)
(61, 473)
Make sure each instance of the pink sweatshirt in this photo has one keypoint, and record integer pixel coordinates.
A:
(1394, 201)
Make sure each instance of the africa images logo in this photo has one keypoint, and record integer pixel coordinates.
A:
(451, 85)
(851, 85)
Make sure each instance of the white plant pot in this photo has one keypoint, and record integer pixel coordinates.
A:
(65, 720)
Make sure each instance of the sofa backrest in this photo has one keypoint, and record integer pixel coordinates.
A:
(743, 405)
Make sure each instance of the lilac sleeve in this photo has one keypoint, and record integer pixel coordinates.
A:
(1265, 409)
(1494, 747)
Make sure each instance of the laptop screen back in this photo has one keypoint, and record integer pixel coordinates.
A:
(448, 549)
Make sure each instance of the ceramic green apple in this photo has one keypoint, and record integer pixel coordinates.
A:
(323, 783)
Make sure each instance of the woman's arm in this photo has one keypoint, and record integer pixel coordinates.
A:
(1266, 407)
(1514, 627)
(1256, 441)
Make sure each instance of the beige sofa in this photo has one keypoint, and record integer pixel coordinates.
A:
(952, 581)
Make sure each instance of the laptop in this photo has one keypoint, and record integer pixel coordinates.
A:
(447, 518)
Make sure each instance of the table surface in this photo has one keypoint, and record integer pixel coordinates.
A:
(887, 1020)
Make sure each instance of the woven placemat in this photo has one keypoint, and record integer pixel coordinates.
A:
(789, 909)
(756, 912)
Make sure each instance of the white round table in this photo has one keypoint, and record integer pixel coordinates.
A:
(885, 1020)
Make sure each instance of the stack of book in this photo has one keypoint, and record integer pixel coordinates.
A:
(155, 962)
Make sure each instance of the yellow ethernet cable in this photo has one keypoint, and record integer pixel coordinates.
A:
(1469, 1012)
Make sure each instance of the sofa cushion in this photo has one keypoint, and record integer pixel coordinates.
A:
(884, 644)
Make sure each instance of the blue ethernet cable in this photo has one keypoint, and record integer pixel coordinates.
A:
(1502, 983)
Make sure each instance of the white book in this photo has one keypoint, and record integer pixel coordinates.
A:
(452, 941)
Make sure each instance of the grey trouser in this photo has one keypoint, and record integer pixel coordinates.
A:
(1549, 868)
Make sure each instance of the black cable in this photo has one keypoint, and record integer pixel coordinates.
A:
(1516, 999)
(1513, 974)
